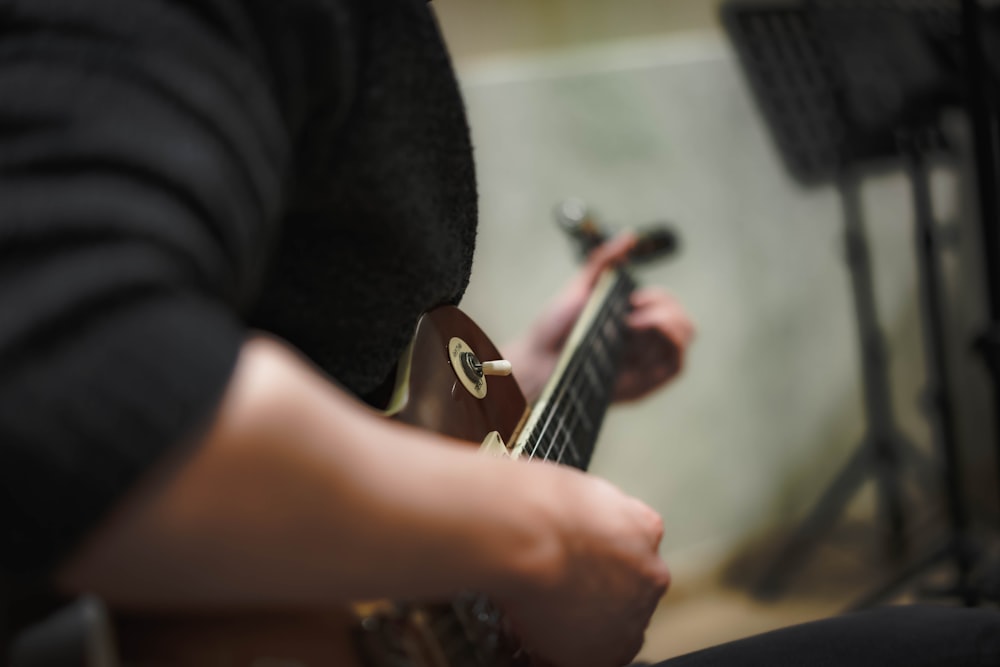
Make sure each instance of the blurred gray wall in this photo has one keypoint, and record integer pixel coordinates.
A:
(640, 108)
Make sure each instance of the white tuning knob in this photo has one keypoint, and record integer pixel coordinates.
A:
(498, 367)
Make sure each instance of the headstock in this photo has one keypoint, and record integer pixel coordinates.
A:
(656, 240)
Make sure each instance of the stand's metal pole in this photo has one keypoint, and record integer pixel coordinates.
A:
(982, 109)
(941, 405)
(883, 452)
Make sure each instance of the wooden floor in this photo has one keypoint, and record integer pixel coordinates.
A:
(720, 616)
(707, 608)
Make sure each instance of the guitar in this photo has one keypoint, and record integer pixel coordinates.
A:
(443, 384)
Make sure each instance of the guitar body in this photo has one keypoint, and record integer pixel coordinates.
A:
(265, 639)
(435, 397)
(430, 393)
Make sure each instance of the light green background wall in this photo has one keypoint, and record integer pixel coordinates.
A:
(481, 28)
(640, 108)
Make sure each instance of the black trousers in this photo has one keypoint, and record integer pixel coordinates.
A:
(910, 636)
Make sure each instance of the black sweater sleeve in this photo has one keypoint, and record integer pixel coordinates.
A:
(143, 153)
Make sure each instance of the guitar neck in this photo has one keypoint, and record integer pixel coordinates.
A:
(566, 420)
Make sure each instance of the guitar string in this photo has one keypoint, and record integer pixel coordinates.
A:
(578, 362)
(542, 435)
(613, 332)
(611, 313)
(607, 332)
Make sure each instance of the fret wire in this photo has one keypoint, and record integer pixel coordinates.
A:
(575, 395)
(546, 433)
(607, 311)
(552, 440)
(560, 429)
(611, 331)
(569, 439)
(602, 357)
(569, 435)
(551, 409)
(610, 312)
(548, 416)
(595, 381)
(588, 399)
(583, 431)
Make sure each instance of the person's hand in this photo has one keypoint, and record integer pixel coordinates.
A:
(659, 331)
(593, 608)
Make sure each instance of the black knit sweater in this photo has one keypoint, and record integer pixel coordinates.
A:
(176, 172)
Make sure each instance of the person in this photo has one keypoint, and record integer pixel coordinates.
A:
(221, 220)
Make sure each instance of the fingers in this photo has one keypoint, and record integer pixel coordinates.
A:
(660, 332)
(611, 578)
(550, 332)
(656, 529)
(650, 521)
(606, 255)
(655, 308)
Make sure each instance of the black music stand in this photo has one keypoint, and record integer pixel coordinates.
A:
(847, 84)
(982, 96)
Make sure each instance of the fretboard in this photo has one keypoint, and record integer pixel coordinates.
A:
(565, 422)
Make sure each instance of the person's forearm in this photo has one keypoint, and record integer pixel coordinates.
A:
(299, 496)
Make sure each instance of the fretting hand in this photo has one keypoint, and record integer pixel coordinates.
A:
(659, 331)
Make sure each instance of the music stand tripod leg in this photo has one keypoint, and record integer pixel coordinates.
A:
(881, 452)
(819, 520)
